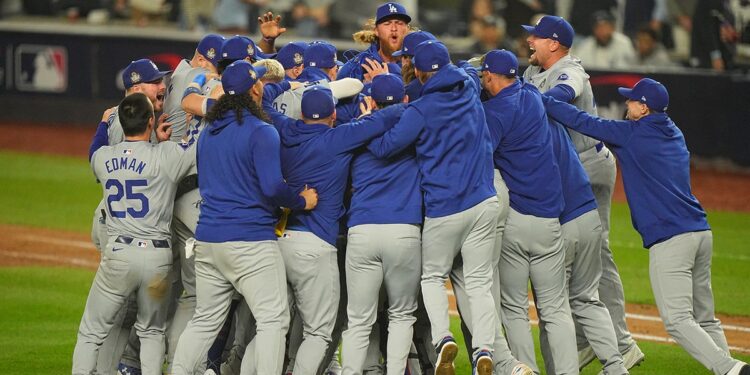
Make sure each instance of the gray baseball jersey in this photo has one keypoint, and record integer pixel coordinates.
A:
(567, 71)
(182, 77)
(289, 102)
(140, 181)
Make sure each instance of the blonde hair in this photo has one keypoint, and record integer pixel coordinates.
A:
(274, 70)
(368, 35)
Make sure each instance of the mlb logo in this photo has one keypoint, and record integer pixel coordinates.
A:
(41, 68)
(389, 97)
(435, 66)
(142, 244)
(127, 151)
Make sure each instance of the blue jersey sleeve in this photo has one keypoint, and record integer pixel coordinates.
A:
(562, 92)
(267, 161)
(100, 138)
(613, 132)
(403, 134)
(358, 132)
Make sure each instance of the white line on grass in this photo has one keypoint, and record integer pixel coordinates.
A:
(57, 241)
(78, 262)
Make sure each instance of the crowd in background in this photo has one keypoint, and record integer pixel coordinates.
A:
(617, 34)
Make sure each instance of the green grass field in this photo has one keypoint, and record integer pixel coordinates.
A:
(41, 307)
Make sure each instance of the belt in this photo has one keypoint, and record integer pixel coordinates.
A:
(142, 243)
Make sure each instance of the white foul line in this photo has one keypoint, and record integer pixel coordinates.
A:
(56, 241)
(78, 262)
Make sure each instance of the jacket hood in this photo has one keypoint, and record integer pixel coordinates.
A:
(446, 79)
(217, 126)
(662, 122)
(299, 132)
(310, 74)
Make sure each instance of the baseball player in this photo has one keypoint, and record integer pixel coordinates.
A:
(240, 181)
(461, 205)
(291, 57)
(555, 72)
(655, 166)
(315, 152)
(384, 245)
(532, 243)
(411, 41)
(391, 25)
(139, 181)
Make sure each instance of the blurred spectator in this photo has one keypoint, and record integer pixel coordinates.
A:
(518, 12)
(231, 16)
(606, 48)
(143, 12)
(348, 16)
(303, 22)
(196, 14)
(582, 11)
(643, 12)
(714, 38)
(649, 51)
(680, 15)
(489, 31)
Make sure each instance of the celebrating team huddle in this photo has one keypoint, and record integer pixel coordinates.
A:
(285, 204)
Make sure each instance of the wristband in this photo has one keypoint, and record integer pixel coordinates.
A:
(191, 90)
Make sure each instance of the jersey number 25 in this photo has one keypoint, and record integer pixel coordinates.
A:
(128, 193)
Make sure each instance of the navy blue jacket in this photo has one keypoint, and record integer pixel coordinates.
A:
(319, 156)
(576, 187)
(239, 175)
(353, 67)
(655, 164)
(452, 142)
(522, 144)
(414, 89)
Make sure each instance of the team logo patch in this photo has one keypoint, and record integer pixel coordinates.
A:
(253, 75)
(392, 8)
(298, 58)
(250, 50)
(135, 77)
(563, 77)
(127, 151)
(211, 53)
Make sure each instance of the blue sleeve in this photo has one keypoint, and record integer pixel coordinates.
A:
(613, 132)
(267, 161)
(278, 119)
(272, 90)
(495, 126)
(403, 134)
(349, 136)
(100, 138)
(472, 72)
(563, 93)
(348, 111)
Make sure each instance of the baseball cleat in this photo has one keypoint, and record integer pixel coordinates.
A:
(632, 357)
(740, 368)
(123, 369)
(585, 356)
(447, 351)
(521, 369)
(482, 363)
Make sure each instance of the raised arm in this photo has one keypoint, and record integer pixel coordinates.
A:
(613, 132)
(356, 133)
(403, 134)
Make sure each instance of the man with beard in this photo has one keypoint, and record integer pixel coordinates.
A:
(561, 76)
(387, 37)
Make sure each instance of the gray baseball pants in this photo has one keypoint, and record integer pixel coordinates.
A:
(602, 171)
(533, 249)
(582, 242)
(256, 270)
(186, 302)
(313, 275)
(472, 234)
(389, 255)
(680, 273)
(123, 270)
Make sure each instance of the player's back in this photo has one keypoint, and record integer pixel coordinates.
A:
(139, 183)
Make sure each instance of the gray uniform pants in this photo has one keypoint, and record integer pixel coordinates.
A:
(680, 273)
(602, 171)
(471, 233)
(313, 275)
(125, 269)
(256, 270)
(533, 248)
(582, 243)
(388, 255)
(186, 302)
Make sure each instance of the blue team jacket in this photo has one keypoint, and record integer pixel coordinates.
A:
(453, 147)
(576, 187)
(655, 164)
(319, 156)
(521, 140)
(353, 67)
(239, 175)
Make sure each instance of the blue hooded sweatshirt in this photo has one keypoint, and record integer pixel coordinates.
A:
(523, 152)
(655, 164)
(319, 156)
(414, 89)
(353, 67)
(239, 174)
(452, 142)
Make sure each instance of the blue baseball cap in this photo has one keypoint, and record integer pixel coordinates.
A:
(387, 88)
(391, 10)
(411, 41)
(317, 103)
(240, 76)
(320, 55)
(553, 27)
(239, 47)
(431, 55)
(500, 62)
(292, 54)
(649, 92)
(141, 71)
(210, 47)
